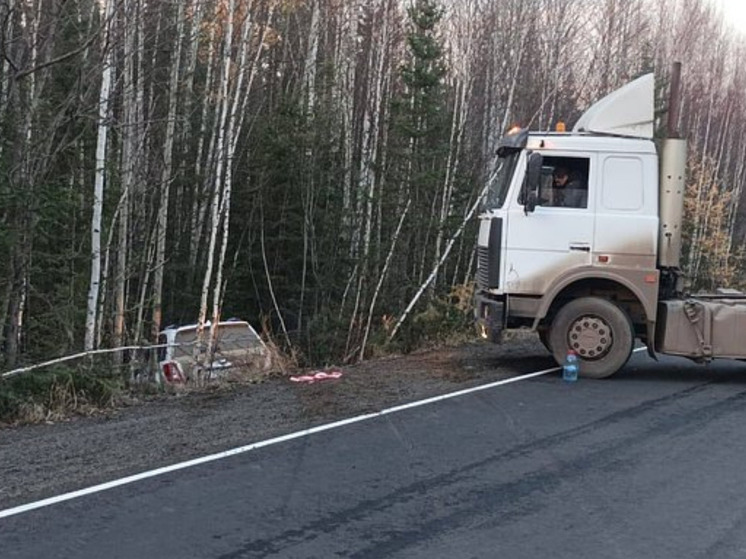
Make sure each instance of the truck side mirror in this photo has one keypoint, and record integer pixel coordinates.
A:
(532, 201)
(533, 181)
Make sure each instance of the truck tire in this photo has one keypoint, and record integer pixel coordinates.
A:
(600, 333)
(544, 338)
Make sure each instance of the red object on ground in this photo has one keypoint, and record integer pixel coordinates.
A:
(317, 376)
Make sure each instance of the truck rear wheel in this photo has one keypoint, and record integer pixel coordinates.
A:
(598, 331)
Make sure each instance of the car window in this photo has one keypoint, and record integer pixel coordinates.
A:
(229, 337)
(236, 336)
(185, 340)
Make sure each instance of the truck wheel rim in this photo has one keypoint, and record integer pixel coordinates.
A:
(591, 337)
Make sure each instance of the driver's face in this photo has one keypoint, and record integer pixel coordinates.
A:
(560, 180)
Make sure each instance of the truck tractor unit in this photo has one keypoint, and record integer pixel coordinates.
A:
(580, 240)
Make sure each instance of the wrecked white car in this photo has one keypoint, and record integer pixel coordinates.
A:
(236, 346)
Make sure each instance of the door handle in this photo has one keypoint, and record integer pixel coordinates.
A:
(580, 247)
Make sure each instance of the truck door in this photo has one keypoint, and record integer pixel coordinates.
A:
(558, 235)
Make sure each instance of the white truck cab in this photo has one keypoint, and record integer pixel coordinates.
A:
(611, 229)
(580, 234)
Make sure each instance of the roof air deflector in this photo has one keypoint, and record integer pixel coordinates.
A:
(628, 111)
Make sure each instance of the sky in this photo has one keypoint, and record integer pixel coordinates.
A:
(735, 12)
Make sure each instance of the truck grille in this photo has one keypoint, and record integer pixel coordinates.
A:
(488, 258)
(483, 262)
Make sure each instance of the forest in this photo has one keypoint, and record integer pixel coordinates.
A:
(312, 166)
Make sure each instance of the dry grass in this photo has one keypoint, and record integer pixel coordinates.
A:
(55, 395)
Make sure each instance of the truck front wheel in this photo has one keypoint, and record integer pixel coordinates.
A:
(598, 331)
(544, 339)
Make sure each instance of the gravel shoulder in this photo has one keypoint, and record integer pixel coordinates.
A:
(40, 461)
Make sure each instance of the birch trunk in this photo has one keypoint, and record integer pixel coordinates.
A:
(312, 53)
(100, 177)
(739, 177)
(368, 174)
(201, 199)
(382, 278)
(235, 125)
(693, 260)
(20, 253)
(128, 165)
(224, 105)
(346, 50)
(309, 87)
(144, 285)
(452, 164)
(183, 139)
(234, 130)
(105, 273)
(166, 176)
(191, 56)
(6, 83)
(438, 264)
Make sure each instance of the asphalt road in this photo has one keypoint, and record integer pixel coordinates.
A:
(647, 464)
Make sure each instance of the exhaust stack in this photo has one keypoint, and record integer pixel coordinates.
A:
(672, 182)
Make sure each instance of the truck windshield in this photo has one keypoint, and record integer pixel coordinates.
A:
(499, 182)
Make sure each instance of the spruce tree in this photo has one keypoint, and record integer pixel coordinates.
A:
(420, 142)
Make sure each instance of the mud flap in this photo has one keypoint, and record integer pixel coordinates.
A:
(489, 317)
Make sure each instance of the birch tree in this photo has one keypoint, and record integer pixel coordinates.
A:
(220, 161)
(307, 164)
(107, 12)
(166, 175)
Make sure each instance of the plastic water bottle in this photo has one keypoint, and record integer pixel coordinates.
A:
(570, 367)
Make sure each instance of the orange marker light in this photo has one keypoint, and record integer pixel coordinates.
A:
(651, 278)
(514, 130)
(561, 127)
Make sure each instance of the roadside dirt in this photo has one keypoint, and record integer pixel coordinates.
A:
(43, 460)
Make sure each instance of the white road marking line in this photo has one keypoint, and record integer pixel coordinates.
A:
(261, 444)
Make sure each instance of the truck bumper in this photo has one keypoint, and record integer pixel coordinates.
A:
(489, 315)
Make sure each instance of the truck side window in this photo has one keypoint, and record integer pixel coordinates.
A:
(623, 184)
(565, 183)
